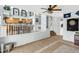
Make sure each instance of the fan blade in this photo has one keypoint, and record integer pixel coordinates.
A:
(56, 9)
(54, 6)
(44, 8)
(44, 11)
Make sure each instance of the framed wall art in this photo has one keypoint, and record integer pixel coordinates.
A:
(67, 15)
(77, 13)
(23, 13)
(38, 20)
(31, 13)
(16, 11)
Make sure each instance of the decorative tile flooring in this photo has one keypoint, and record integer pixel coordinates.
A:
(52, 44)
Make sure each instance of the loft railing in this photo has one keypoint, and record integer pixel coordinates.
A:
(13, 29)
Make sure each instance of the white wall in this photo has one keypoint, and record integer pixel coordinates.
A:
(57, 16)
(56, 22)
(0, 20)
(22, 39)
(1, 15)
(56, 25)
(34, 8)
(69, 35)
(1, 10)
(43, 22)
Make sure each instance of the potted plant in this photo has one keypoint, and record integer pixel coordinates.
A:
(6, 8)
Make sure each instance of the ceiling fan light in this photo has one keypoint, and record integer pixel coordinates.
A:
(51, 9)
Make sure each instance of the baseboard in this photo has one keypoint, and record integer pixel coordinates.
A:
(70, 43)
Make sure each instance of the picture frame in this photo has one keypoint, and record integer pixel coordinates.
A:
(30, 13)
(77, 13)
(47, 18)
(38, 20)
(67, 15)
(23, 13)
(16, 11)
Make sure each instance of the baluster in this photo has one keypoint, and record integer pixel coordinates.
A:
(16, 29)
(13, 29)
(8, 29)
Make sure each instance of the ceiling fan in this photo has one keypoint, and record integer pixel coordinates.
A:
(51, 8)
